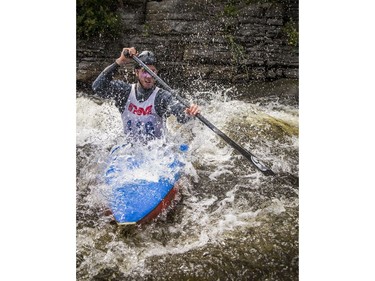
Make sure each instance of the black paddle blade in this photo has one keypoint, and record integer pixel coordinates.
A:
(261, 167)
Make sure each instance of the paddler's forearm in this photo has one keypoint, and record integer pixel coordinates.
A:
(165, 105)
(102, 84)
(179, 112)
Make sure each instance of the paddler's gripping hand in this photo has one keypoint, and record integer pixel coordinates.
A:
(126, 55)
(192, 110)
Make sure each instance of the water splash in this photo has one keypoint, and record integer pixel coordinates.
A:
(225, 202)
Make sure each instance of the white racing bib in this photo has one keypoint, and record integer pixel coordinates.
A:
(140, 119)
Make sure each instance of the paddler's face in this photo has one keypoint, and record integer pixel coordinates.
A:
(145, 78)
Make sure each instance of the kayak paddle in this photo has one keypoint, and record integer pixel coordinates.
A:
(252, 158)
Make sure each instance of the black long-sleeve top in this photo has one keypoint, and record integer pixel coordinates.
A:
(165, 104)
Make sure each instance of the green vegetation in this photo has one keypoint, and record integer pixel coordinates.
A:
(236, 49)
(146, 30)
(290, 29)
(97, 18)
(230, 10)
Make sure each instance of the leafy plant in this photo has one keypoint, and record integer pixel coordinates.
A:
(97, 18)
(230, 10)
(146, 30)
(290, 29)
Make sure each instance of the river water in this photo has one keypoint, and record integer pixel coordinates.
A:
(232, 223)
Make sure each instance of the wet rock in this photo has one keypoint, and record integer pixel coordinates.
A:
(108, 274)
(209, 36)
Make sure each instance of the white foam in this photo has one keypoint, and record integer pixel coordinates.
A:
(205, 217)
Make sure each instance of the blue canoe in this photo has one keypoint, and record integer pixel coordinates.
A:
(141, 188)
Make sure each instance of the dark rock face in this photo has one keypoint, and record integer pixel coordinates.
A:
(214, 40)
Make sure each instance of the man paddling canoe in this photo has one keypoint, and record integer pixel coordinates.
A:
(144, 107)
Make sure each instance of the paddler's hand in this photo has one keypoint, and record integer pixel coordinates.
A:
(122, 60)
(192, 110)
